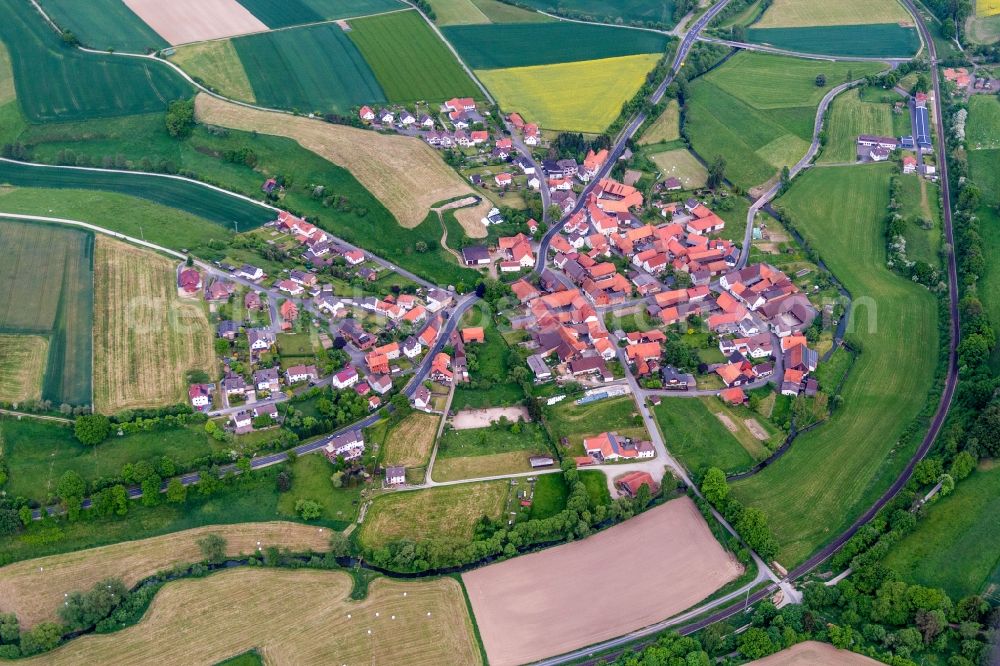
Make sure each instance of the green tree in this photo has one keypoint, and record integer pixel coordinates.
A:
(24, 513)
(92, 429)
(41, 638)
(176, 491)
(717, 172)
(962, 465)
(820, 80)
(82, 610)
(151, 490)
(119, 496)
(10, 629)
(756, 643)
(221, 349)
(180, 118)
(714, 486)
(308, 509)
(340, 545)
(71, 489)
(213, 547)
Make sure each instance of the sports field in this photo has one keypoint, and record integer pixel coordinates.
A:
(876, 40)
(666, 127)
(850, 116)
(814, 653)
(22, 367)
(405, 174)
(312, 69)
(146, 338)
(409, 60)
(409, 443)
(57, 83)
(842, 466)
(660, 12)
(445, 512)
(33, 589)
(501, 46)
(757, 111)
(955, 545)
(55, 266)
(683, 165)
(554, 601)
(217, 65)
(581, 96)
(283, 13)
(422, 623)
(103, 24)
(797, 13)
(191, 197)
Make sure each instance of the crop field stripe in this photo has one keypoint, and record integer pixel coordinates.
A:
(846, 463)
(193, 198)
(56, 82)
(409, 60)
(281, 13)
(317, 68)
(103, 24)
(457, 12)
(22, 368)
(69, 370)
(218, 65)
(638, 11)
(877, 40)
(797, 13)
(501, 46)
(987, 7)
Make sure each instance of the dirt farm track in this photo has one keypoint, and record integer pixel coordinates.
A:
(588, 591)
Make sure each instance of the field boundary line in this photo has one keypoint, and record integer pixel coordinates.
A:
(95, 228)
(40, 417)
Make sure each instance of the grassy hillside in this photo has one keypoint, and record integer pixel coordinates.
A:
(832, 472)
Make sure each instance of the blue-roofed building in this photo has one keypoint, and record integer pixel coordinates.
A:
(907, 143)
(923, 128)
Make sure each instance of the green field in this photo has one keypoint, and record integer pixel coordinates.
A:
(640, 12)
(284, 13)
(482, 452)
(583, 96)
(51, 268)
(409, 60)
(311, 481)
(757, 111)
(850, 116)
(877, 40)
(458, 12)
(683, 165)
(317, 68)
(500, 12)
(104, 24)
(503, 46)
(698, 438)
(983, 127)
(834, 471)
(794, 13)
(56, 82)
(955, 545)
(919, 199)
(984, 169)
(216, 65)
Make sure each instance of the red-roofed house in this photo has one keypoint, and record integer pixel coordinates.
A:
(189, 280)
(473, 334)
(288, 311)
(354, 257)
(460, 104)
(504, 179)
(366, 114)
(631, 482)
(733, 396)
(441, 368)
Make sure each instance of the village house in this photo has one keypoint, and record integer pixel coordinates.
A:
(381, 384)
(189, 280)
(200, 396)
(234, 385)
(422, 398)
(411, 347)
(630, 484)
(366, 114)
(259, 339)
(252, 301)
(610, 446)
(358, 336)
(348, 446)
(301, 373)
(266, 379)
(344, 379)
(288, 311)
(242, 421)
(473, 334)
(476, 255)
(395, 476)
(909, 164)
(227, 330)
(289, 287)
(441, 369)
(248, 272)
(377, 363)
(218, 291)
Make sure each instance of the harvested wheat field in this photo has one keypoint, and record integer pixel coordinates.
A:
(814, 653)
(471, 218)
(185, 21)
(409, 443)
(33, 589)
(22, 366)
(566, 597)
(145, 337)
(404, 173)
(203, 621)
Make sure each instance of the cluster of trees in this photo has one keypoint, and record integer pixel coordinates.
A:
(180, 118)
(736, 32)
(336, 409)
(749, 522)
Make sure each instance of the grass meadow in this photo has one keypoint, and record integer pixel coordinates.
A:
(217, 65)
(683, 165)
(56, 82)
(984, 170)
(447, 512)
(409, 442)
(500, 12)
(628, 11)
(698, 438)
(850, 116)
(798, 13)
(458, 12)
(983, 131)
(311, 69)
(666, 127)
(575, 422)
(955, 545)
(757, 111)
(501, 46)
(55, 265)
(481, 452)
(409, 60)
(581, 96)
(877, 40)
(919, 199)
(22, 367)
(840, 467)
(104, 24)
(311, 481)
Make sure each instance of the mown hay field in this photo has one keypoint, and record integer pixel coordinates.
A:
(481, 452)
(410, 441)
(842, 466)
(577, 96)
(103, 24)
(146, 338)
(409, 60)
(637, 11)
(404, 173)
(218, 65)
(874, 40)
(22, 367)
(683, 165)
(311, 69)
(501, 46)
(666, 127)
(849, 117)
(500, 12)
(283, 13)
(432, 513)
(797, 13)
(33, 589)
(54, 265)
(421, 623)
(191, 197)
(458, 12)
(478, 467)
(57, 83)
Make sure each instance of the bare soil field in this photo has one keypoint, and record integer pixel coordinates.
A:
(207, 620)
(814, 653)
(185, 21)
(409, 444)
(22, 366)
(145, 337)
(33, 589)
(563, 598)
(404, 173)
(756, 429)
(467, 419)
(726, 421)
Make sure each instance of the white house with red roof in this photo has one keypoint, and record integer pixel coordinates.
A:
(460, 104)
(366, 114)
